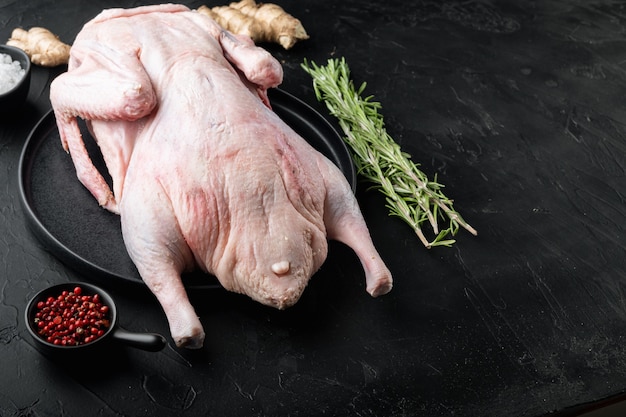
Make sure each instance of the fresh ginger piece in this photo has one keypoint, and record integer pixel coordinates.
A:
(42, 46)
(263, 22)
(277, 25)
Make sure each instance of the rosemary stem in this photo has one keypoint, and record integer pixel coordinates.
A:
(378, 158)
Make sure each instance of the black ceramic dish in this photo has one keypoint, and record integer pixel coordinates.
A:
(146, 341)
(69, 222)
(13, 100)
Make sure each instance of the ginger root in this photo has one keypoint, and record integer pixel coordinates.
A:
(263, 22)
(42, 46)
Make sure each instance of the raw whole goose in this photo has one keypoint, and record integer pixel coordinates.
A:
(205, 175)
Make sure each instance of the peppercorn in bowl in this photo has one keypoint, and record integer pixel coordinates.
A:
(15, 69)
(80, 317)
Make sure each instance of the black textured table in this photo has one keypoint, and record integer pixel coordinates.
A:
(519, 109)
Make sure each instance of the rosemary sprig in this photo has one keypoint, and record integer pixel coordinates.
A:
(410, 195)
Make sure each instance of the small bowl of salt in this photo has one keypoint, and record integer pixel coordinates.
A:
(14, 79)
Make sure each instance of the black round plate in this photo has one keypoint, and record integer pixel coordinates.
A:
(71, 225)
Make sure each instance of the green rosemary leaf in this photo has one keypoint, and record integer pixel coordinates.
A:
(409, 194)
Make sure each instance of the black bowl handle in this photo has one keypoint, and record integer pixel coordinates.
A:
(152, 342)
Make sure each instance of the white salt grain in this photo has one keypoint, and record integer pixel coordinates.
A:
(11, 72)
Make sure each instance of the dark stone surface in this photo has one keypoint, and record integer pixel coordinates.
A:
(519, 110)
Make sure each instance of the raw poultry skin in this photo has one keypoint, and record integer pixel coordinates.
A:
(204, 174)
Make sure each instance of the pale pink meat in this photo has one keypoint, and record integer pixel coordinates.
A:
(204, 174)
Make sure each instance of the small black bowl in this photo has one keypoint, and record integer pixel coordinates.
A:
(147, 341)
(12, 101)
